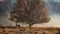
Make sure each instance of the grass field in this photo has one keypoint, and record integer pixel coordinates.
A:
(30, 30)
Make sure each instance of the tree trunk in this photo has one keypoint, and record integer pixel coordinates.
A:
(17, 24)
(30, 25)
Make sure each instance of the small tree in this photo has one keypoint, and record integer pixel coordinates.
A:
(30, 12)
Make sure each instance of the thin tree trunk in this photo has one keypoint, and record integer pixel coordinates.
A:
(17, 24)
(30, 25)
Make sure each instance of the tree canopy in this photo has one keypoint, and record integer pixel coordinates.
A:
(29, 11)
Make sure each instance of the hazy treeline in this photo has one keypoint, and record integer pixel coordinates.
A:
(6, 7)
(53, 6)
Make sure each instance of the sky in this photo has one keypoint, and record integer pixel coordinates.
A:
(53, 7)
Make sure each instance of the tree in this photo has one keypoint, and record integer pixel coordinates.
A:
(30, 12)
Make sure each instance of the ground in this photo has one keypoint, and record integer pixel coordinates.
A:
(30, 30)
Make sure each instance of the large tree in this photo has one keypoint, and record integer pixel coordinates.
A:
(30, 12)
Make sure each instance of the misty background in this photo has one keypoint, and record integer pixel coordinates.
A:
(53, 7)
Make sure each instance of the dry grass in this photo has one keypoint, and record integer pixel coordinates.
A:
(29, 30)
